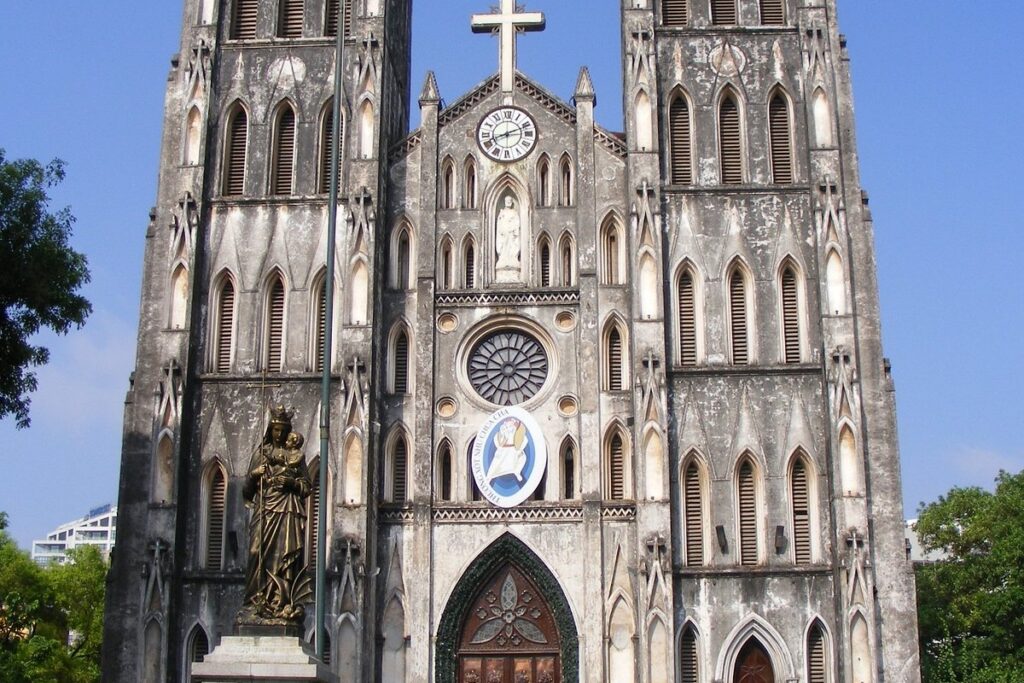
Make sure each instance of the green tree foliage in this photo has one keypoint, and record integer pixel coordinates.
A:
(51, 620)
(971, 605)
(40, 280)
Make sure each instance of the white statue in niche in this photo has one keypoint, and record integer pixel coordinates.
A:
(507, 242)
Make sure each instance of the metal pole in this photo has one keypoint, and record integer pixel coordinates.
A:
(325, 389)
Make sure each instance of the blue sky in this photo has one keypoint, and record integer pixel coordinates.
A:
(938, 123)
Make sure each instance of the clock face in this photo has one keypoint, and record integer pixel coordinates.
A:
(507, 134)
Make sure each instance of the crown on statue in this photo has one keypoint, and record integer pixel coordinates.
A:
(281, 415)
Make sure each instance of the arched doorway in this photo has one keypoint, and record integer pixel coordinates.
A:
(753, 664)
(507, 621)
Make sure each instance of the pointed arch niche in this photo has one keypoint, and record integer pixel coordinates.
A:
(505, 187)
(507, 556)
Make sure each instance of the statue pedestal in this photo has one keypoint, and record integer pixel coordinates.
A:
(259, 659)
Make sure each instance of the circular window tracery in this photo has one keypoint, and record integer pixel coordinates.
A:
(508, 367)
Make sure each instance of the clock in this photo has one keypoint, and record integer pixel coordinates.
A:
(507, 134)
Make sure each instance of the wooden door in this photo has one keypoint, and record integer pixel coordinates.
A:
(754, 665)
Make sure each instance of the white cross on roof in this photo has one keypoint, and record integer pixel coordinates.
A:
(508, 20)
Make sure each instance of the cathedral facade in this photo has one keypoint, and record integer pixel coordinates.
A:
(606, 406)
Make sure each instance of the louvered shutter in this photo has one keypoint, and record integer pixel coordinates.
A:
(675, 12)
(568, 473)
(801, 514)
(331, 20)
(782, 153)
(611, 256)
(284, 158)
(545, 265)
(470, 267)
(694, 510)
(470, 185)
(682, 150)
(816, 657)
(738, 318)
(290, 22)
(403, 262)
(234, 174)
(772, 13)
(401, 363)
(215, 521)
(723, 12)
(566, 265)
(687, 320)
(567, 198)
(314, 514)
(616, 468)
(244, 25)
(321, 326)
(748, 516)
(790, 316)
(399, 471)
(731, 150)
(615, 373)
(225, 325)
(200, 645)
(446, 473)
(275, 326)
(688, 661)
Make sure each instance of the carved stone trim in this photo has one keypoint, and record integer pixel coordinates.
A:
(556, 297)
(474, 515)
(405, 147)
(463, 105)
(392, 514)
(625, 512)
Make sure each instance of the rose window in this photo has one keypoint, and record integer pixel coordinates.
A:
(508, 367)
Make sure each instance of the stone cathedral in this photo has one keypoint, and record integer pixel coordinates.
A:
(606, 406)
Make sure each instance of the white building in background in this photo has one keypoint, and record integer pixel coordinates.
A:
(916, 552)
(98, 528)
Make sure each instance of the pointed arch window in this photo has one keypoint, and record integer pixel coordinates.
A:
(644, 118)
(198, 645)
(327, 146)
(790, 315)
(397, 491)
(216, 504)
(289, 24)
(781, 139)
(738, 327)
(235, 153)
(445, 475)
(568, 259)
(401, 260)
(331, 18)
(224, 327)
(319, 324)
(366, 130)
(723, 12)
(544, 182)
(687, 302)
(193, 136)
(400, 363)
(448, 184)
(730, 145)
(675, 12)
(179, 297)
(469, 189)
(243, 23)
(680, 141)
(773, 12)
(689, 660)
(748, 512)
(567, 185)
(615, 359)
(616, 466)
(469, 263)
(817, 655)
(835, 279)
(446, 261)
(693, 510)
(544, 253)
(568, 470)
(800, 500)
(284, 152)
(822, 119)
(274, 335)
(613, 252)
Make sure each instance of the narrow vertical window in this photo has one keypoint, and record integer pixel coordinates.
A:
(748, 515)
(687, 319)
(399, 471)
(781, 147)
(723, 12)
(216, 503)
(444, 466)
(772, 13)
(327, 147)
(243, 24)
(448, 186)
(289, 24)
(681, 153)
(403, 257)
(470, 189)
(198, 645)
(817, 656)
(544, 182)
(284, 152)
(614, 360)
(738, 318)
(693, 508)
(790, 316)
(545, 263)
(567, 188)
(225, 327)
(730, 146)
(800, 497)
(568, 471)
(235, 152)
(400, 363)
(193, 136)
(616, 467)
(675, 12)
(835, 279)
(275, 327)
(688, 660)
(612, 247)
(567, 262)
(446, 265)
(320, 326)
(470, 267)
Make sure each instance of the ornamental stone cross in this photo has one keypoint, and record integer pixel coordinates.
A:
(508, 20)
